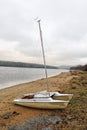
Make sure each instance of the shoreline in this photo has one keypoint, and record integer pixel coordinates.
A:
(66, 82)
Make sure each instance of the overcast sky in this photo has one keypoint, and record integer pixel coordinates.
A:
(64, 27)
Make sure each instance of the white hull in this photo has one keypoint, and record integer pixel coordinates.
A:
(62, 96)
(42, 104)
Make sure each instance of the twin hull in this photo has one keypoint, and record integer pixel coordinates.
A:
(42, 105)
(65, 97)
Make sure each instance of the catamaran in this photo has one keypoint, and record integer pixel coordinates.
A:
(44, 99)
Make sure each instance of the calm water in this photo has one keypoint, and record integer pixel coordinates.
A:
(11, 75)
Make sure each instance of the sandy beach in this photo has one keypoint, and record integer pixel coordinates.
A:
(73, 117)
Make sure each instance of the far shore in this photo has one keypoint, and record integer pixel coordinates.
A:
(66, 82)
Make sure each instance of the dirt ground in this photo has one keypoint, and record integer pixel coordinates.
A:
(74, 117)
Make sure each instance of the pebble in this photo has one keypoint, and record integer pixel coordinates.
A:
(9, 114)
(47, 128)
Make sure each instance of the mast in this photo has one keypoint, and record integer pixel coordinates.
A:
(44, 59)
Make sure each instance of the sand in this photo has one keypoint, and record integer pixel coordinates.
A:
(11, 114)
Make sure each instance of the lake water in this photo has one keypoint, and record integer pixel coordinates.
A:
(10, 76)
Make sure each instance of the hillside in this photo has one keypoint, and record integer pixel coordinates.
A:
(79, 67)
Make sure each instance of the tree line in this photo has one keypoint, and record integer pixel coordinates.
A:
(26, 65)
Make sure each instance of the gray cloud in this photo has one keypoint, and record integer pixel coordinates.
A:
(64, 25)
